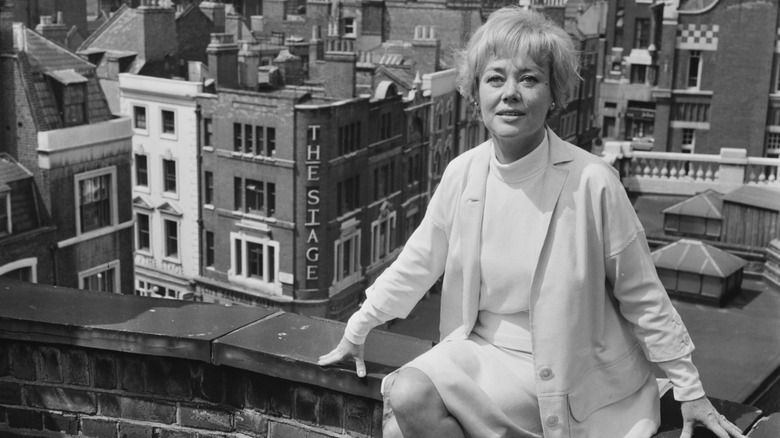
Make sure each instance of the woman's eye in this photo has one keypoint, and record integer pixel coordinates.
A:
(495, 80)
(529, 79)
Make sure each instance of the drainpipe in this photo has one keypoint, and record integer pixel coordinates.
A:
(199, 168)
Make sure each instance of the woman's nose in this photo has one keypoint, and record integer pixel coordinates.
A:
(510, 92)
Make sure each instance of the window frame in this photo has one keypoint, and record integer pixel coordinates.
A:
(694, 55)
(350, 22)
(137, 170)
(5, 214)
(240, 273)
(381, 250)
(208, 187)
(104, 267)
(165, 177)
(175, 257)
(352, 239)
(111, 171)
(138, 233)
(163, 133)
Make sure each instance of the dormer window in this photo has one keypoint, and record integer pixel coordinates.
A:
(70, 93)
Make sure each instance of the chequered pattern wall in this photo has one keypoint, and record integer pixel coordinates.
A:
(697, 36)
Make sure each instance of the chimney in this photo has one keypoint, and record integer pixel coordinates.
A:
(216, 12)
(222, 55)
(249, 61)
(6, 26)
(290, 66)
(55, 31)
(339, 70)
(426, 48)
(158, 32)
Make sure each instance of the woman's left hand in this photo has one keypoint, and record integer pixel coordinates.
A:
(700, 412)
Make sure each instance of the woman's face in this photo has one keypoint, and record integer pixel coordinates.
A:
(514, 98)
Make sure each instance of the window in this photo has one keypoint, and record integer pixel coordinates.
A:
(209, 248)
(384, 179)
(347, 255)
(382, 237)
(608, 127)
(349, 138)
(410, 223)
(638, 73)
(618, 42)
(171, 229)
(347, 195)
(260, 140)
(139, 118)
(208, 131)
(72, 102)
(237, 137)
(248, 144)
(254, 197)
(688, 139)
(208, 187)
(5, 214)
(168, 122)
(270, 137)
(169, 175)
(694, 69)
(143, 232)
(641, 33)
(386, 125)
(141, 170)
(773, 143)
(103, 278)
(96, 199)
(254, 258)
(350, 27)
(413, 168)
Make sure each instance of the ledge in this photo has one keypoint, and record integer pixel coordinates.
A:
(262, 340)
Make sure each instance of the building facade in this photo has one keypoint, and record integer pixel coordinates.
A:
(57, 125)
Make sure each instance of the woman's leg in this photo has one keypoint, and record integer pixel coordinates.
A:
(418, 409)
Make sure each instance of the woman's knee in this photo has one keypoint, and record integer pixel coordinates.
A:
(413, 392)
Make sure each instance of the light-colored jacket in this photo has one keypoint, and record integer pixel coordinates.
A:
(599, 314)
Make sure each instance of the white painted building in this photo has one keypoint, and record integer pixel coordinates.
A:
(165, 183)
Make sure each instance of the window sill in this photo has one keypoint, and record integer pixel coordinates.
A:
(94, 234)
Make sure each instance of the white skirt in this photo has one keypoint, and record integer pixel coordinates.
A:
(491, 392)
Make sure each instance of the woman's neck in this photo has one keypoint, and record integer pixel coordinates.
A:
(511, 150)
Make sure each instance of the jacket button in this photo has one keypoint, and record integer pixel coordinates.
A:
(546, 373)
(686, 339)
(551, 421)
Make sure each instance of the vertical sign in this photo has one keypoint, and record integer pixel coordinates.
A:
(312, 203)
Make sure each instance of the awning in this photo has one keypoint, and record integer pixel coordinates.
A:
(67, 77)
(639, 57)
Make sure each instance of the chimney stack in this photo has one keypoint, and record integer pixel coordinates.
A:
(55, 31)
(249, 61)
(426, 49)
(216, 12)
(222, 55)
(290, 66)
(6, 26)
(339, 70)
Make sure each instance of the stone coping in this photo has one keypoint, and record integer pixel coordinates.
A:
(257, 339)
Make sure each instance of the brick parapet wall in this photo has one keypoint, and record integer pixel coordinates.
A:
(78, 363)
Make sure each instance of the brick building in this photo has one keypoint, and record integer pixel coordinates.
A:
(57, 125)
(688, 75)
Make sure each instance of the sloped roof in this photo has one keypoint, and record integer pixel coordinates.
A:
(120, 15)
(688, 255)
(10, 170)
(46, 55)
(755, 197)
(707, 204)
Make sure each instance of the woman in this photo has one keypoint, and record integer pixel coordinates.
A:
(551, 308)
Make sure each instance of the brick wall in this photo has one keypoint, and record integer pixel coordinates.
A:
(79, 363)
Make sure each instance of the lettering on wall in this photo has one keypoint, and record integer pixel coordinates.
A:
(312, 204)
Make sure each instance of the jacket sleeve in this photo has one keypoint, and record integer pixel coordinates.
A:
(630, 271)
(422, 260)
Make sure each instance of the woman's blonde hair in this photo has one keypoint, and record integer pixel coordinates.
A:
(510, 32)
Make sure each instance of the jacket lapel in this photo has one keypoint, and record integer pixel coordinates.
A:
(472, 209)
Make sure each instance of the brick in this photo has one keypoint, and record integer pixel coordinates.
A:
(5, 366)
(358, 415)
(279, 397)
(251, 422)
(10, 393)
(202, 418)
(24, 419)
(173, 433)
(166, 377)
(22, 362)
(105, 372)
(61, 399)
(331, 411)
(77, 367)
(98, 428)
(235, 387)
(131, 374)
(306, 404)
(210, 384)
(51, 369)
(111, 405)
(283, 430)
(2, 415)
(127, 430)
(64, 423)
